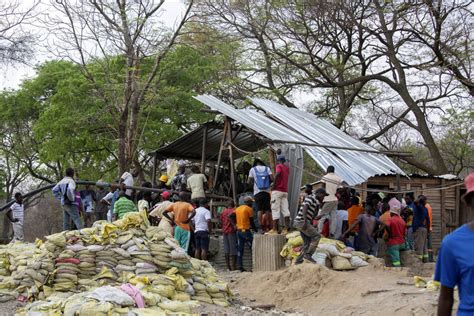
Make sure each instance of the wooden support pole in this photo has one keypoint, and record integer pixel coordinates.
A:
(232, 174)
(271, 159)
(153, 172)
(203, 152)
(219, 157)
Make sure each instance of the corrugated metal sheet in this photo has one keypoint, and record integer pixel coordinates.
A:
(189, 146)
(255, 121)
(266, 252)
(353, 166)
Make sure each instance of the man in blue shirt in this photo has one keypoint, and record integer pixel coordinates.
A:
(421, 222)
(455, 264)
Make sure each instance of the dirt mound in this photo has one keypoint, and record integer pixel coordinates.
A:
(317, 290)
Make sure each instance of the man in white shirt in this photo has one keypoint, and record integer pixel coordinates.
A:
(331, 182)
(16, 215)
(202, 228)
(127, 180)
(197, 184)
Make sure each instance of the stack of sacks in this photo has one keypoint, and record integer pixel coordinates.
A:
(30, 269)
(67, 269)
(330, 253)
(127, 251)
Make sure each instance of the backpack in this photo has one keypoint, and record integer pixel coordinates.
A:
(65, 196)
(262, 179)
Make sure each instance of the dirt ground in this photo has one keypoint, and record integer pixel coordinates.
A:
(315, 290)
(310, 289)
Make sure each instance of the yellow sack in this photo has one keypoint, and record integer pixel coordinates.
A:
(94, 308)
(433, 285)
(293, 234)
(176, 306)
(57, 239)
(104, 273)
(163, 290)
(295, 241)
(107, 230)
(341, 263)
(419, 281)
(181, 296)
(139, 280)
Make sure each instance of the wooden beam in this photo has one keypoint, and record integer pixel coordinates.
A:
(231, 159)
(203, 152)
(221, 148)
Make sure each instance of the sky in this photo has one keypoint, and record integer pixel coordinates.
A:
(11, 76)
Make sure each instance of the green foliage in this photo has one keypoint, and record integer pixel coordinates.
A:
(64, 119)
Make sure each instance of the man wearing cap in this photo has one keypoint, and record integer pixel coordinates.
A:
(162, 182)
(279, 195)
(243, 220)
(197, 184)
(455, 266)
(157, 212)
(395, 227)
(304, 223)
(331, 182)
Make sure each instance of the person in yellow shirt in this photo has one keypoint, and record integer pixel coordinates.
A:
(243, 220)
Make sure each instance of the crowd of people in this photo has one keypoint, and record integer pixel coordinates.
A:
(383, 225)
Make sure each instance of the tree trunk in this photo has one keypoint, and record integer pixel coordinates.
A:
(424, 130)
(402, 89)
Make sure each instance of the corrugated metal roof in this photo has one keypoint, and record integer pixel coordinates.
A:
(189, 146)
(353, 166)
(255, 121)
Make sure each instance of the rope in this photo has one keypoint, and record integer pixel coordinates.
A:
(437, 188)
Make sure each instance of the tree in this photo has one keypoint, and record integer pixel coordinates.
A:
(97, 35)
(356, 50)
(55, 119)
(16, 42)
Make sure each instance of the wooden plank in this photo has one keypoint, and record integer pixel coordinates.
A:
(443, 210)
(456, 209)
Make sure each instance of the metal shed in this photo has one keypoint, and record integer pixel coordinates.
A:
(267, 123)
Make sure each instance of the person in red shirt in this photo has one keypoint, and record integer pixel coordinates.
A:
(279, 197)
(230, 237)
(395, 227)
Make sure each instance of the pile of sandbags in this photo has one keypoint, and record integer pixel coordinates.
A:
(25, 268)
(127, 252)
(330, 253)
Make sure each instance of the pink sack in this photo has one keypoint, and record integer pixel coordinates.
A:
(134, 293)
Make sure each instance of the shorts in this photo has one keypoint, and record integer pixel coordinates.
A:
(280, 204)
(202, 240)
(230, 244)
(262, 200)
